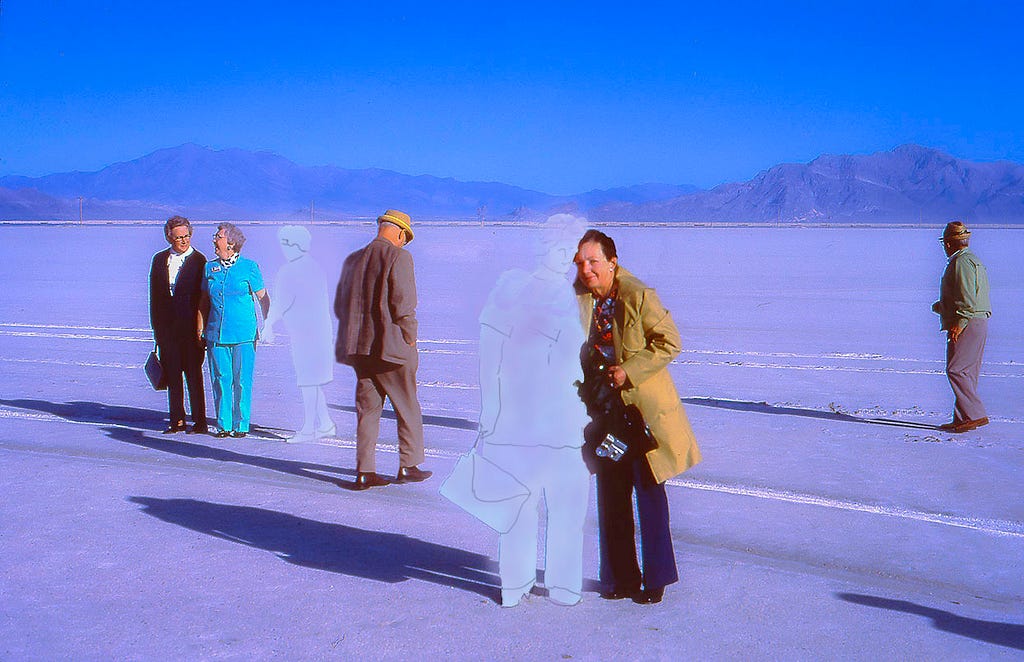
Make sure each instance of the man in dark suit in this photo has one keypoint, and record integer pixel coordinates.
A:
(175, 282)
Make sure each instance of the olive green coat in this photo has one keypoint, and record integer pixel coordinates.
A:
(646, 340)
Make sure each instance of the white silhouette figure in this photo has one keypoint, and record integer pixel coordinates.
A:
(301, 299)
(531, 416)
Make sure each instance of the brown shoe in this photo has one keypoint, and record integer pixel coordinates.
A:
(949, 427)
(967, 426)
(368, 479)
(412, 475)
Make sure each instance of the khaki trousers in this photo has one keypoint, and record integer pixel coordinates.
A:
(378, 380)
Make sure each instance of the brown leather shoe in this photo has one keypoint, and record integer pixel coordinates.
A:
(368, 479)
(949, 427)
(412, 475)
(967, 426)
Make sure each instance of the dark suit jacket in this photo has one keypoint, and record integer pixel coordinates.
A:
(174, 318)
(376, 305)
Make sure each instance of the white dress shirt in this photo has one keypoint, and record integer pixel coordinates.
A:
(174, 262)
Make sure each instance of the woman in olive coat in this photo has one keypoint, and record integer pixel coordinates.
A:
(632, 339)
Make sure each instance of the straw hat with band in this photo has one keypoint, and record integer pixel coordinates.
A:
(401, 219)
(955, 230)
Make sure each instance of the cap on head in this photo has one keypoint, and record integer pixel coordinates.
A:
(401, 219)
(955, 230)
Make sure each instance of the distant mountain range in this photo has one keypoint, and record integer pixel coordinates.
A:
(908, 184)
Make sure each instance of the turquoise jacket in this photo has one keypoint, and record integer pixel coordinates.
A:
(232, 307)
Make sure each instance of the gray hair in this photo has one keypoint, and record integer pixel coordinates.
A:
(176, 222)
(234, 236)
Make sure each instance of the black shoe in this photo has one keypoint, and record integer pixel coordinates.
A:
(412, 475)
(220, 434)
(176, 427)
(366, 480)
(238, 435)
(198, 429)
(619, 594)
(649, 596)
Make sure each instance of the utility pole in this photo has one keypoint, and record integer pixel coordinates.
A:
(80, 221)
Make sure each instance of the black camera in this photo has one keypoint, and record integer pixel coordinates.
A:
(618, 431)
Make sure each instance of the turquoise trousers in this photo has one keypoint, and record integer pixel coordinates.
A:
(231, 369)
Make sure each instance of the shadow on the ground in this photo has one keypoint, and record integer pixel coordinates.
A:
(148, 420)
(383, 557)
(440, 421)
(765, 408)
(95, 412)
(200, 451)
(81, 411)
(1010, 635)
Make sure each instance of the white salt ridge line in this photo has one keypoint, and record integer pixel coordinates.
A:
(996, 527)
(459, 341)
(76, 327)
(84, 364)
(833, 368)
(73, 336)
(23, 325)
(720, 364)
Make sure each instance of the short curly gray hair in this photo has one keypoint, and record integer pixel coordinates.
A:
(235, 237)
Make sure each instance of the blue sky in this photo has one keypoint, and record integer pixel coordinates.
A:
(558, 97)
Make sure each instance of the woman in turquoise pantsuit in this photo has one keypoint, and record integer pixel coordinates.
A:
(230, 284)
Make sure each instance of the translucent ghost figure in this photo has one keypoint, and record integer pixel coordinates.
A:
(301, 299)
(531, 416)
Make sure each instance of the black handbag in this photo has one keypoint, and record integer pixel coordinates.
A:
(155, 372)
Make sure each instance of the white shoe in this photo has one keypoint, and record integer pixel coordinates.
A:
(327, 432)
(301, 437)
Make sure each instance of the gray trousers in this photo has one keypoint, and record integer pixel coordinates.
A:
(963, 364)
(374, 383)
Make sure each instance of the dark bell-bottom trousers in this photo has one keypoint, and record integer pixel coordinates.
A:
(184, 357)
(374, 382)
(963, 365)
(616, 485)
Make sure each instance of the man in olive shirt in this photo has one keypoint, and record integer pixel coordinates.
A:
(964, 309)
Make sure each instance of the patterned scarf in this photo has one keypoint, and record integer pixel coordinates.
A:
(227, 263)
(601, 329)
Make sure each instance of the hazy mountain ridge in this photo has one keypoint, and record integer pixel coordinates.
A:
(908, 184)
(234, 183)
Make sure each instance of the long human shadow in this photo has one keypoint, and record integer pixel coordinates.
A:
(143, 420)
(81, 411)
(199, 451)
(380, 556)
(1010, 635)
(440, 421)
(765, 408)
(94, 412)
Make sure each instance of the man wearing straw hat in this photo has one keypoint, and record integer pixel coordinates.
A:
(964, 309)
(376, 308)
